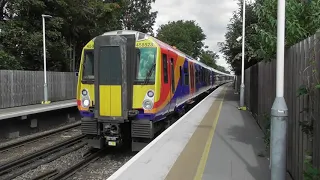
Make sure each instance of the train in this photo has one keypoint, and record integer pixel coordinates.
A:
(132, 86)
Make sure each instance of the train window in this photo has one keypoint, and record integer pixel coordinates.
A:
(201, 77)
(186, 76)
(165, 68)
(146, 64)
(110, 56)
(197, 76)
(88, 65)
(202, 74)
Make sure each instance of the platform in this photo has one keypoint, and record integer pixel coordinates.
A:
(213, 141)
(34, 109)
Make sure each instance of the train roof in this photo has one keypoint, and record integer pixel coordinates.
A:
(142, 36)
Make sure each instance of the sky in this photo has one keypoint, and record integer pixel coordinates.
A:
(211, 15)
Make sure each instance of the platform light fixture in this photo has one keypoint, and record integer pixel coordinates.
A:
(242, 86)
(44, 59)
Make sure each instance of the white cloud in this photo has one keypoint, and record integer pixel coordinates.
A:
(212, 15)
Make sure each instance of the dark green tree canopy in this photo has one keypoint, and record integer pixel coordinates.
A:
(302, 20)
(209, 58)
(137, 15)
(72, 25)
(187, 36)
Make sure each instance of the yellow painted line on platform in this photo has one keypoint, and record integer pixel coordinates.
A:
(194, 155)
(205, 154)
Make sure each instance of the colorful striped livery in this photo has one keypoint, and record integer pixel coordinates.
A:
(131, 85)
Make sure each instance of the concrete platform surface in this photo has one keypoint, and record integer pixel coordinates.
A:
(213, 141)
(37, 108)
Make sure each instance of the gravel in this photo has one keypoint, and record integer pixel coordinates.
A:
(103, 168)
(61, 163)
(35, 146)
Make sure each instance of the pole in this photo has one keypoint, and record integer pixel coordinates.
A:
(236, 84)
(44, 61)
(242, 64)
(279, 110)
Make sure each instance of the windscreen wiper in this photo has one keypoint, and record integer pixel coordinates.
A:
(149, 74)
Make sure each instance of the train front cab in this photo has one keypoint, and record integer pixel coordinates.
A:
(114, 57)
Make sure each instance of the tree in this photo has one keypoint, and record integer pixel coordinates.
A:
(222, 69)
(187, 36)
(2, 9)
(85, 20)
(73, 23)
(232, 48)
(209, 58)
(137, 15)
(21, 36)
(302, 20)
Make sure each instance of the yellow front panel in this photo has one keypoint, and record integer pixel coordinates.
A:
(90, 88)
(116, 99)
(110, 100)
(104, 100)
(139, 92)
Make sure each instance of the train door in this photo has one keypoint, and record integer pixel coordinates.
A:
(173, 85)
(186, 78)
(114, 76)
(165, 87)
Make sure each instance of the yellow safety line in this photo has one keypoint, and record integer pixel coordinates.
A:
(206, 150)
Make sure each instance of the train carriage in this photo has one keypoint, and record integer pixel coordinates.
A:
(130, 85)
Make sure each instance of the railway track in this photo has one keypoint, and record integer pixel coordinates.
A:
(53, 174)
(32, 139)
(56, 175)
(13, 165)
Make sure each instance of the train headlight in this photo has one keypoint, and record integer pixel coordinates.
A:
(147, 104)
(86, 103)
(150, 93)
(84, 92)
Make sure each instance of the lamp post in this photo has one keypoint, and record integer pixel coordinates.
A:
(45, 60)
(242, 64)
(279, 110)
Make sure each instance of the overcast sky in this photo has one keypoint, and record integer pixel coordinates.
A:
(212, 15)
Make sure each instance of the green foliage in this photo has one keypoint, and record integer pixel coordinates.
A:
(209, 58)
(73, 24)
(187, 36)
(302, 20)
(137, 15)
(3, 13)
(302, 90)
(222, 69)
(310, 172)
(231, 48)
(308, 90)
(8, 62)
(307, 127)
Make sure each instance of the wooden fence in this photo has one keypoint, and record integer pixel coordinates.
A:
(302, 67)
(19, 88)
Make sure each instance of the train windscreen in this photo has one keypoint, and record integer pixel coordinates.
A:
(146, 63)
(88, 66)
